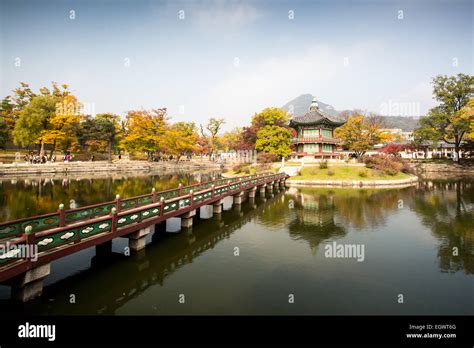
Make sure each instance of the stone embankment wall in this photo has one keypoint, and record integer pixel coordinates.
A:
(443, 170)
(103, 167)
(355, 183)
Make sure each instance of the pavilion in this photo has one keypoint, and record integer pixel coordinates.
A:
(315, 134)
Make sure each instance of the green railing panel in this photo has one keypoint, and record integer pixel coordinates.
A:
(10, 230)
(170, 206)
(94, 228)
(145, 200)
(11, 255)
(89, 212)
(57, 239)
(128, 203)
(198, 197)
(42, 223)
(148, 213)
(128, 219)
(169, 194)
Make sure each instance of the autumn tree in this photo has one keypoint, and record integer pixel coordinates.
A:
(467, 113)
(230, 140)
(180, 139)
(359, 134)
(445, 121)
(272, 132)
(145, 131)
(33, 121)
(209, 132)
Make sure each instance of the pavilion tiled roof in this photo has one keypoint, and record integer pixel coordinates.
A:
(315, 117)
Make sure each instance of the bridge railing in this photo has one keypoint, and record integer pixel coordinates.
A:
(64, 227)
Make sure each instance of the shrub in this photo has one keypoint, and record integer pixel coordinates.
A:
(386, 164)
(323, 165)
(330, 172)
(238, 168)
(247, 170)
(261, 167)
(266, 157)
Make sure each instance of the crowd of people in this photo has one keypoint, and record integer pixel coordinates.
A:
(35, 158)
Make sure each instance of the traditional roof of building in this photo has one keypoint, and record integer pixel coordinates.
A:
(315, 117)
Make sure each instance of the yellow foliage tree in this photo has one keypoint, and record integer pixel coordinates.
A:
(360, 134)
(145, 131)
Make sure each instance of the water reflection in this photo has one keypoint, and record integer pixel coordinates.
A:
(32, 196)
(409, 235)
(166, 254)
(447, 208)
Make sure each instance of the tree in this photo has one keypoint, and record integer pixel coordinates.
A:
(467, 113)
(395, 149)
(272, 134)
(64, 123)
(34, 120)
(275, 140)
(3, 132)
(248, 138)
(180, 139)
(145, 130)
(209, 141)
(101, 133)
(445, 121)
(359, 134)
(231, 140)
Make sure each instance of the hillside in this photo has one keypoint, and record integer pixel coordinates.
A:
(300, 106)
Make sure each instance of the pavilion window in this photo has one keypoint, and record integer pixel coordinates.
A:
(327, 133)
(311, 148)
(311, 133)
(327, 148)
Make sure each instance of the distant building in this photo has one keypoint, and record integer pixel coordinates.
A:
(315, 134)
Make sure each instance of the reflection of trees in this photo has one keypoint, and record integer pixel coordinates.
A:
(314, 219)
(33, 196)
(447, 208)
(165, 255)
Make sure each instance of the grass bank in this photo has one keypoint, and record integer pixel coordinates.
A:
(346, 173)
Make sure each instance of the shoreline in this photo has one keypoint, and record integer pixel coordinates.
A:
(354, 183)
(24, 169)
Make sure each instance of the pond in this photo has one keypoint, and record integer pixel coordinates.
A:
(279, 254)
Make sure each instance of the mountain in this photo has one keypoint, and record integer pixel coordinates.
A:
(300, 105)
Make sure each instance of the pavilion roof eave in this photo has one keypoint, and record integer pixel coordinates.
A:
(327, 122)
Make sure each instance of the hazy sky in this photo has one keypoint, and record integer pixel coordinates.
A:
(232, 58)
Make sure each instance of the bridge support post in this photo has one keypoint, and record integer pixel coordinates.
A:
(252, 192)
(282, 183)
(187, 219)
(206, 211)
(270, 186)
(137, 240)
(29, 285)
(262, 190)
(239, 198)
(217, 207)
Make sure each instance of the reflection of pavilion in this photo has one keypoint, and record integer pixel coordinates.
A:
(314, 219)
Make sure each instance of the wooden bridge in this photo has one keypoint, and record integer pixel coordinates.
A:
(28, 246)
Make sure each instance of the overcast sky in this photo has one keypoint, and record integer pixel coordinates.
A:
(233, 58)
